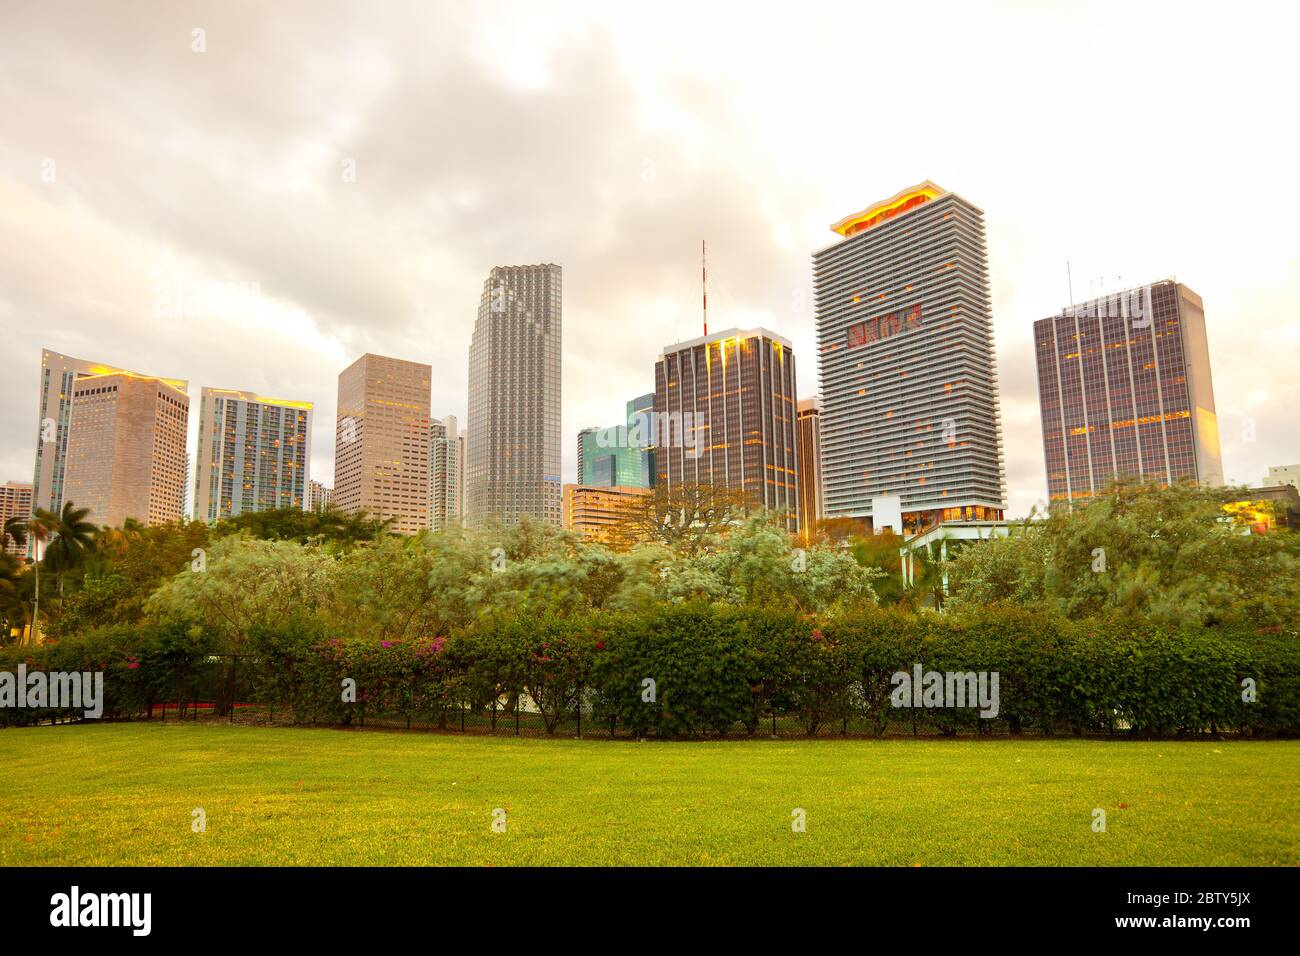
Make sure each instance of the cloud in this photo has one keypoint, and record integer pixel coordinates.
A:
(610, 142)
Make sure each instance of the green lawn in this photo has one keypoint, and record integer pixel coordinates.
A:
(124, 794)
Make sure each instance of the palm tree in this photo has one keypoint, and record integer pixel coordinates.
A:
(39, 529)
(14, 529)
(72, 538)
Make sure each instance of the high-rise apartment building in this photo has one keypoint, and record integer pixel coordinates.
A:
(54, 422)
(911, 427)
(512, 466)
(254, 453)
(725, 417)
(15, 502)
(812, 502)
(1125, 392)
(444, 474)
(125, 455)
(320, 497)
(381, 441)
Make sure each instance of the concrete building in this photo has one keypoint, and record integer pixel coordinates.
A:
(125, 454)
(596, 513)
(15, 502)
(1283, 475)
(812, 501)
(911, 426)
(54, 423)
(1125, 392)
(444, 474)
(512, 466)
(724, 416)
(254, 453)
(319, 496)
(381, 441)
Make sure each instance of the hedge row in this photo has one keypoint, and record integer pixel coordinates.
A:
(692, 670)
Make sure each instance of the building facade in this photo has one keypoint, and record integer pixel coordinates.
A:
(512, 462)
(381, 441)
(1283, 475)
(598, 514)
(54, 423)
(320, 497)
(911, 425)
(1125, 392)
(725, 417)
(444, 474)
(621, 454)
(125, 454)
(254, 454)
(15, 502)
(811, 497)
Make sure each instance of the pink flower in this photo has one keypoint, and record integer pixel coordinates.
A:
(133, 665)
(600, 645)
(385, 643)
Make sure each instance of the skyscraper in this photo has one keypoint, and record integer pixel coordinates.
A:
(381, 441)
(254, 453)
(725, 417)
(812, 502)
(512, 463)
(125, 455)
(15, 502)
(621, 454)
(444, 474)
(1125, 392)
(586, 435)
(54, 422)
(911, 431)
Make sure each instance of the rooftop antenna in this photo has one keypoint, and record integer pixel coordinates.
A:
(704, 278)
(1069, 280)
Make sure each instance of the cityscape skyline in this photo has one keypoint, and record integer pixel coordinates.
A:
(277, 254)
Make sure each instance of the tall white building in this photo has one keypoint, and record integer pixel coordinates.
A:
(512, 465)
(445, 474)
(911, 427)
(320, 497)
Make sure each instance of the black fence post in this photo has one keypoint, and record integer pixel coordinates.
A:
(579, 710)
(516, 715)
(463, 708)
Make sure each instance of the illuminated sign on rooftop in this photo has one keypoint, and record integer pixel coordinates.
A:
(886, 209)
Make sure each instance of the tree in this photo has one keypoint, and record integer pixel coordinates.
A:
(755, 565)
(246, 585)
(1172, 553)
(15, 530)
(686, 518)
(71, 537)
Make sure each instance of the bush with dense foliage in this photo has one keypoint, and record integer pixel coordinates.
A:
(700, 669)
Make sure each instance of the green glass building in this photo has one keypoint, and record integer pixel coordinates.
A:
(618, 455)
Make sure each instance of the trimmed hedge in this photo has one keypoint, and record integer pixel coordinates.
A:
(697, 669)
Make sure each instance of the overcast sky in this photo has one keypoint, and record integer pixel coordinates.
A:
(323, 180)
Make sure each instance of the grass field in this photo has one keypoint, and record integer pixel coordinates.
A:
(125, 793)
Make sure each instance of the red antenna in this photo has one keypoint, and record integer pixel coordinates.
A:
(704, 276)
